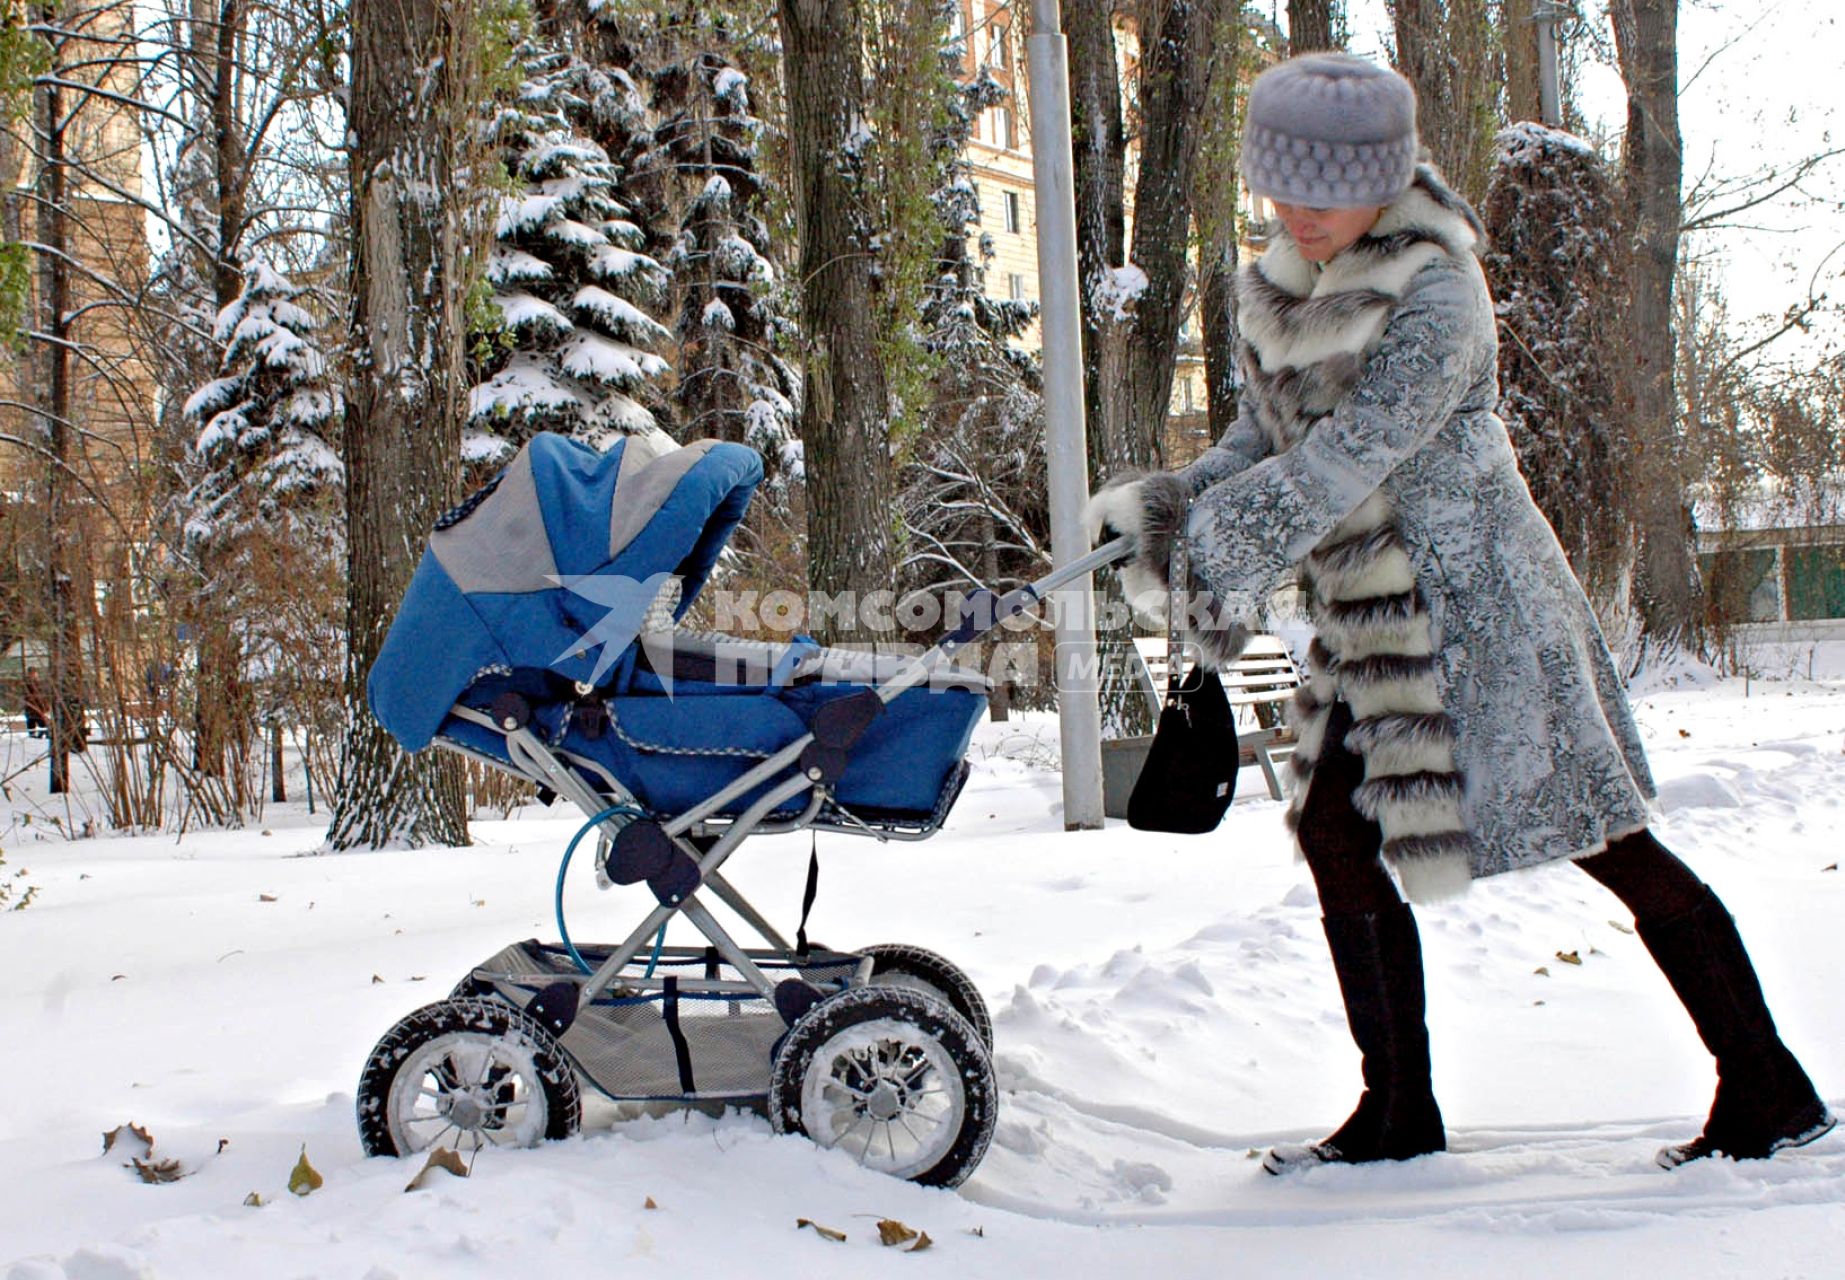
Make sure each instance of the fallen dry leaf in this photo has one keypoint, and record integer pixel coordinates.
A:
(649, 1204)
(254, 1201)
(1569, 957)
(441, 1158)
(1541, 971)
(825, 1233)
(1621, 928)
(266, 897)
(891, 1231)
(922, 1242)
(304, 1179)
(158, 1171)
(131, 1130)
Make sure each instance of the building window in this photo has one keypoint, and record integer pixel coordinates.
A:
(999, 127)
(1002, 47)
(1188, 394)
(957, 24)
(1015, 286)
(1014, 222)
(1815, 583)
(1743, 585)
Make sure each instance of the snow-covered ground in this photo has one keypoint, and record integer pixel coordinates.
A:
(1164, 1007)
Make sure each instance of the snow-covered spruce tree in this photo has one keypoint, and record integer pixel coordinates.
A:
(565, 343)
(733, 383)
(263, 525)
(266, 423)
(617, 46)
(1554, 266)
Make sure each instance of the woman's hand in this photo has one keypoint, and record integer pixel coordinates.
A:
(1149, 509)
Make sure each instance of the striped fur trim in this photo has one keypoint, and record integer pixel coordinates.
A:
(1351, 554)
(1373, 245)
(1399, 730)
(1432, 868)
(1371, 611)
(1375, 797)
(1289, 313)
(1307, 716)
(1382, 669)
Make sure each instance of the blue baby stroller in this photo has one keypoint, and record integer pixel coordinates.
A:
(539, 636)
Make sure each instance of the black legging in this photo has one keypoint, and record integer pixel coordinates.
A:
(1342, 848)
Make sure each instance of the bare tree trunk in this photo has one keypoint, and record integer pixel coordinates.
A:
(1100, 143)
(1219, 223)
(52, 395)
(278, 781)
(999, 702)
(1131, 316)
(846, 401)
(222, 734)
(1179, 55)
(1646, 39)
(412, 111)
(1315, 24)
(1521, 62)
(1445, 49)
(227, 277)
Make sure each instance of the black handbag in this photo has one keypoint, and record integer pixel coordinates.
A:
(1189, 778)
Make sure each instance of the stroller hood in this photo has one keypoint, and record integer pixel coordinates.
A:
(553, 565)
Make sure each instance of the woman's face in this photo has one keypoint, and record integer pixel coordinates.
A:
(1320, 234)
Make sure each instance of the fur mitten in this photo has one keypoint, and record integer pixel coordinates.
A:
(1149, 508)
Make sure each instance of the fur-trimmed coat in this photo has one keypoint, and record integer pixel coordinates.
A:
(1367, 457)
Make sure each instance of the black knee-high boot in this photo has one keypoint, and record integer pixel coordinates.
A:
(1378, 958)
(1765, 1101)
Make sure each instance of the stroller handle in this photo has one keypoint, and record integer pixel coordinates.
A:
(984, 611)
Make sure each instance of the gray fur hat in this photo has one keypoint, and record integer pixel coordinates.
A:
(1331, 131)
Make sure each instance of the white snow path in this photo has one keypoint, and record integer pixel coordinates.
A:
(1164, 1009)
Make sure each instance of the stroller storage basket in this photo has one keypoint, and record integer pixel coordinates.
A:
(694, 1032)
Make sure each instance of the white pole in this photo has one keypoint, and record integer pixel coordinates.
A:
(1054, 169)
(1549, 105)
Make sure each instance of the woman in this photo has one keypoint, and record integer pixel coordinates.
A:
(1461, 716)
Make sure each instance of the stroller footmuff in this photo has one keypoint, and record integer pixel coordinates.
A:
(540, 636)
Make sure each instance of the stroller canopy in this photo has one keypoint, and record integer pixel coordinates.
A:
(553, 565)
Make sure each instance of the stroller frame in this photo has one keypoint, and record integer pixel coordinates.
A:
(891, 1042)
(540, 764)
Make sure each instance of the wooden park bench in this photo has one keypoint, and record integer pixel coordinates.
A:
(1258, 685)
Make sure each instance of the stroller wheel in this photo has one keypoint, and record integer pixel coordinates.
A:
(466, 1074)
(894, 1077)
(472, 988)
(893, 964)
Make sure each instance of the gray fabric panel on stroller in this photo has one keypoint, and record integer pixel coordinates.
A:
(680, 1045)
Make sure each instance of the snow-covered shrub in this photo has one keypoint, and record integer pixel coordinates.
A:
(1554, 264)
